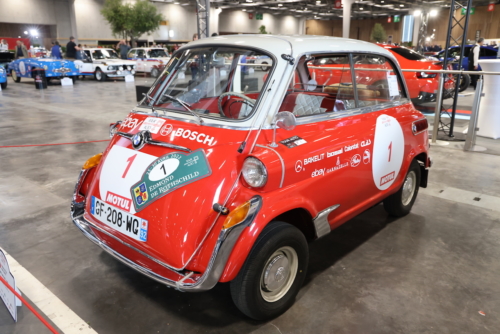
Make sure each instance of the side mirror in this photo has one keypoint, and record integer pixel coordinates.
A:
(286, 120)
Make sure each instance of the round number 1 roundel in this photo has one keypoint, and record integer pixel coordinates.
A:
(388, 151)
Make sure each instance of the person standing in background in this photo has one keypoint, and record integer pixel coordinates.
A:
(3, 46)
(21, 51)
(473, 61)
(123, 48)
(195, 37)
(71, 49)
(56, 51)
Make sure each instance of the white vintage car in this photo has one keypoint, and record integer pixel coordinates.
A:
(104, 63)
(149, 60)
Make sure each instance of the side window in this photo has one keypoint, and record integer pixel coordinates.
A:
(140, 53)
(321, 84)
(377, 82)
(466, 51)
(131, 54)
(488, 53)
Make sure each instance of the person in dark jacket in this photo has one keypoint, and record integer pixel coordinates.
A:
(71, 49)
(56, 51)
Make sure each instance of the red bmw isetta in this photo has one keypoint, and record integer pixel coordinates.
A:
(226, 174)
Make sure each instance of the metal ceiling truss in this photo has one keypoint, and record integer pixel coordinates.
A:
(203, 18)
(456, 35)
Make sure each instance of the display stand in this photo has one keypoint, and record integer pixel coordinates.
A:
(489, 114)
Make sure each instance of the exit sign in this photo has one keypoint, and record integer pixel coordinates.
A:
(258, 16)
(472, 11)
(397, 18)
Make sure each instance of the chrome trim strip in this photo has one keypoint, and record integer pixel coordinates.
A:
(147, 140)
(321, 225)
(281, 160)
(222, 250)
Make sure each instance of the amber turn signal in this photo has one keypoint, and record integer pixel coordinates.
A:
(237, 215)
(92, 162)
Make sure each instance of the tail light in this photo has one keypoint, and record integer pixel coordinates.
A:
(419, 126)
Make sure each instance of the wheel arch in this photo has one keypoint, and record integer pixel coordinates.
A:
(299, 216)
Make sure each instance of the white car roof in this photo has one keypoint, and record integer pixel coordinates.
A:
(301, 44)
(92, 49)
(148, 48)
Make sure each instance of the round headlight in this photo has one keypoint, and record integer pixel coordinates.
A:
(254, 172)
(110, 68)
(118, 72)
(129, 68)
(45, 67)
(121, 68)
(133, 72)
(1, 69)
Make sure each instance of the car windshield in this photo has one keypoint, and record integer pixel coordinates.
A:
(157, 53)
(212, 81)
(408, 54)
(104, 54)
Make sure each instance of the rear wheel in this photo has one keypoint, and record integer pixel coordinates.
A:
(400, 203)
(14, 76)
(273, 273)
(265, 68)
(99, 75)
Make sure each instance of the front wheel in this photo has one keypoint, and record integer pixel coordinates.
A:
(464, 82)
(14, 76)
(400, 203)
(155, 73)
(3, 85)
(264, 68)
(99, 75)
(273, 273)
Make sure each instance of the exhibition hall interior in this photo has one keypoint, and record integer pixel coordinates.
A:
(251, 166)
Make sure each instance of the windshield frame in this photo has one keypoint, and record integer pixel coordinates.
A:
(176, 56)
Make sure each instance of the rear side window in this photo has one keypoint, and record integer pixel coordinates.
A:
(485, 52)
(324, 84)
(377, 82)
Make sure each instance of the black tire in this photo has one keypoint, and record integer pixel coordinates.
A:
(74, 79)
(99, 75)
(3, 85)
(464, 82)
(400, 203)
(264, 68)
(14, 76)
(275, 245)
(155, 72)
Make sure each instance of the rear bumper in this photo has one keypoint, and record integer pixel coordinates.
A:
(181, 280)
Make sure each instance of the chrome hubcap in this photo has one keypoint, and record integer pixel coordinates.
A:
(409, 188)
(279, 274)
(98, 75)
(14, 75)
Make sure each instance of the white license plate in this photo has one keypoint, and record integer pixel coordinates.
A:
(123, 222)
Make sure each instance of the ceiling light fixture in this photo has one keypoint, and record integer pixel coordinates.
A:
(433, 12)
(280, 5)
(417, 12)
(360, 8)
(401, 5)
(244, 10)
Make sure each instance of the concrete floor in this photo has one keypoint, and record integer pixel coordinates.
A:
(429, 272)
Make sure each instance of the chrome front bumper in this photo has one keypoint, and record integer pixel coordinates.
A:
(223, 248)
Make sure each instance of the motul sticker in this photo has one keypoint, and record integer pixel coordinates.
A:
(167, 173)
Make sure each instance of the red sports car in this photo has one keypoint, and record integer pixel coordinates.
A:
(422, 86)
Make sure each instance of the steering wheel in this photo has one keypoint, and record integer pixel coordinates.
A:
(248, 100)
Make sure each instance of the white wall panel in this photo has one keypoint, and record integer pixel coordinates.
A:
(238, 21)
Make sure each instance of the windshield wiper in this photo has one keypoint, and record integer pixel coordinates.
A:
(186, 106)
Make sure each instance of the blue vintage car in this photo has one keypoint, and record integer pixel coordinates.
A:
(3, 77)
(54, 68)
(486, 52)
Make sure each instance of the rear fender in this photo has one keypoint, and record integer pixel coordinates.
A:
(251, 233)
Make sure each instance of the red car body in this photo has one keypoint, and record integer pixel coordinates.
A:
(326, 163)
(422, 86)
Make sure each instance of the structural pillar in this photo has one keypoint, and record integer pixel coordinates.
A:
(346, 17)
(72, 18)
